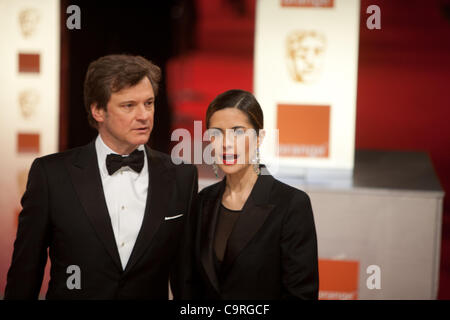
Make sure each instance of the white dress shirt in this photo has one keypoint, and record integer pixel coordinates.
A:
(126, 196)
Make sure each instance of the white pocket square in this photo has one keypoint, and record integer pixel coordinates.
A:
(173, 217)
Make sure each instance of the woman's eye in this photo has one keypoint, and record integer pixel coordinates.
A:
(214, 133)
(239, 131)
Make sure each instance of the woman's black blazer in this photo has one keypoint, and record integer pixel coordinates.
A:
(271, 252)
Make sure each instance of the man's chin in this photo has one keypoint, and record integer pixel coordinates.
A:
(141, 139)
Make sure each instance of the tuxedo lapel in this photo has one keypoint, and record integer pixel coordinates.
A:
(210, 212)
(161, 187)
(254, 214)
(87, 181)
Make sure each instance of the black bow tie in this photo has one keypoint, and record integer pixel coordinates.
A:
(115, 161)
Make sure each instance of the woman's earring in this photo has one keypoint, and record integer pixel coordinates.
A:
(256, 163)
(215, 169)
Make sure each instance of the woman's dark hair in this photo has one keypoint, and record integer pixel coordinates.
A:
(112, 73)
(241, 100)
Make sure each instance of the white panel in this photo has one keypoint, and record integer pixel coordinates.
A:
(334, 84)
(395, 232)
(29, 101)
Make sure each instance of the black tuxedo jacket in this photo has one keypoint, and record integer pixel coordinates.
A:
(64, 210)
(271, 252)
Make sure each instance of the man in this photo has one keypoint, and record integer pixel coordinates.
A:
(112, 213)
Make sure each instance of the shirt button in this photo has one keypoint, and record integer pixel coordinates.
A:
(122, 244)
(123, 207)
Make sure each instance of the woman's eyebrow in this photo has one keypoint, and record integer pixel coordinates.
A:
(232, 128)
(214, 128)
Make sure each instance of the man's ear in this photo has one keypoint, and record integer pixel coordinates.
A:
(97, 113)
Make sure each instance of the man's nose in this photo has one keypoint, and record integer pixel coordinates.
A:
(142, 113)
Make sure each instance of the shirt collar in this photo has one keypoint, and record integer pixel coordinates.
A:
(103, 150)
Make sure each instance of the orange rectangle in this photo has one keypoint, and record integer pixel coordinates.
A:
(28, 143)
(338, 279)
(308, 3)
(29, 62)
(303, 130)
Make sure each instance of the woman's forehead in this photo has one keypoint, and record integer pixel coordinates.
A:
(229, 118)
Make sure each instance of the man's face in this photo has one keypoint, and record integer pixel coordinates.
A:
(128, 121)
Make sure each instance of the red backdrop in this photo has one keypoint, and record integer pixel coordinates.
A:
(403, 100)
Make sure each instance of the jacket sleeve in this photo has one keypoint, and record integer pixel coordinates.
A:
(299, 259)
(29, 258)
(181, 273)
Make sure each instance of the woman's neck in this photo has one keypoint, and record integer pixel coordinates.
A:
(241, 181)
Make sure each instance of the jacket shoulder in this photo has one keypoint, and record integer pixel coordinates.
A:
(60, 157)
(282, 190)
(210, 191)
(179, 166)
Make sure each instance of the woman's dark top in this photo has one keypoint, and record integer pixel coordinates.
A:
(225, 223)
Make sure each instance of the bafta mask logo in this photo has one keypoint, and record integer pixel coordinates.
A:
(28, 101)
(305, 54)
(28, 20)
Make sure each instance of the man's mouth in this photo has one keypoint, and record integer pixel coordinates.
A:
(142, 129)
(229, 158)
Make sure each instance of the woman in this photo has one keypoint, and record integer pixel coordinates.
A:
(255, 236)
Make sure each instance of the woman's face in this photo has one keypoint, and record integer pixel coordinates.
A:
(233, 138)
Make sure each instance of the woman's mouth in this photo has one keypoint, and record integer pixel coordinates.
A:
(229, 158)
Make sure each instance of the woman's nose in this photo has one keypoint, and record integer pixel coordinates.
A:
(229, 140)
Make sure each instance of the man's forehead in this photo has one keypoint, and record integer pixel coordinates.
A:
(142, 88)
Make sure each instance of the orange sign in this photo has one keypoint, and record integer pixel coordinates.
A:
(308, 3)
(338, 280)
(29, 62)
(303, 130)
(28, 142)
